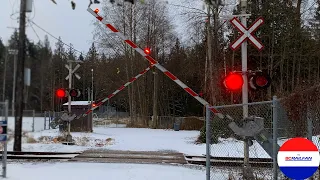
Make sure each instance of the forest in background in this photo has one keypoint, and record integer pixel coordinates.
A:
(291, 36)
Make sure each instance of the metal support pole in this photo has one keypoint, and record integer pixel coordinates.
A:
(4, 154)
(33, 116)
(208, 140)
(52, 118)
(69, 137)
(275, 135)
(245, 78)
(91, 99)
(45, 120)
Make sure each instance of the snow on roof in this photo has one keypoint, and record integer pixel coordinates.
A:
(78, 103)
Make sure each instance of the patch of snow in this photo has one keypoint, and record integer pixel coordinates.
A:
(29, 123)
(78, 103)
(99, 171)
(142, 139)
(135, 139)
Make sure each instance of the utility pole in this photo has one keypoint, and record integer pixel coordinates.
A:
(15, 53)
(19, 103)
(4, 77)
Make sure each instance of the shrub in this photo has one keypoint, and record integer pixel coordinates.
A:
(192, 123)
(31, 140)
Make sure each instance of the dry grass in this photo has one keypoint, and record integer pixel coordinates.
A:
(137, 125)
(188, 123)
(236, 173)
(84, 140)
(45, 139)
(31, 140)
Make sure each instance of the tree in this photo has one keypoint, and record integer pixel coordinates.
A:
(58, 72)
(2, 61)
(153, 32)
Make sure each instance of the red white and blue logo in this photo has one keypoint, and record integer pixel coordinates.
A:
(298, 158)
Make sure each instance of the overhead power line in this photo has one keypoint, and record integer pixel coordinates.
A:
(55, 37)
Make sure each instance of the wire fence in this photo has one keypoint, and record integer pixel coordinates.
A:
(224, 142)
(31, 121)
(280, 124)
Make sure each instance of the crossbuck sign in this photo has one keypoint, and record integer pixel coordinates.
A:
(247, 33)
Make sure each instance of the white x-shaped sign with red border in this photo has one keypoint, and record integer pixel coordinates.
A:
(247, 33)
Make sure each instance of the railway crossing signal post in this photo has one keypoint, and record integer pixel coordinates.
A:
(69, 77)
(246, 34)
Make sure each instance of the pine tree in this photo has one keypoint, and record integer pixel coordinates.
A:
(92, 54)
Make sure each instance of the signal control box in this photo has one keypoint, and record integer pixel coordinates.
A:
(253, 129)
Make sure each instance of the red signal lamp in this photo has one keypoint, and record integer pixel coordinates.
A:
(61, 93)
(147, 51)
(233, 81)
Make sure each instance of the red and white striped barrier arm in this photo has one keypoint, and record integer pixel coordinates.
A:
(118, 90)
(155, 63)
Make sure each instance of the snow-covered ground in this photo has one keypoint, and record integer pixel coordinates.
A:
(30, 123)
(136, 139)
(140, 139)
(102, 171)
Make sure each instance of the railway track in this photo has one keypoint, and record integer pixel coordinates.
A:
(136, 157)
(229, 161)
(40, 155)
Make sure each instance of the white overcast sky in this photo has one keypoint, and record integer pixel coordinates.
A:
(73, 26)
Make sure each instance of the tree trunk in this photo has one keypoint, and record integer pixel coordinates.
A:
(299, 70)
(309, 72)
(287, 73)
(41, 85)
(283, 56)
(155, 99)
(127, 64)
(271, 58)
(209, 53)
(232, 68)
(293, 70)
(318, 73)
(132, 58)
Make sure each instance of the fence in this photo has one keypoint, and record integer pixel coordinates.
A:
(4, 136)
(31, 121)
(303, 109)
(222, 141)
(51, 120)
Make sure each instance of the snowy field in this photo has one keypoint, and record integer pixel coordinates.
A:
(135, 139)
(100, 171)
(139, 139)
